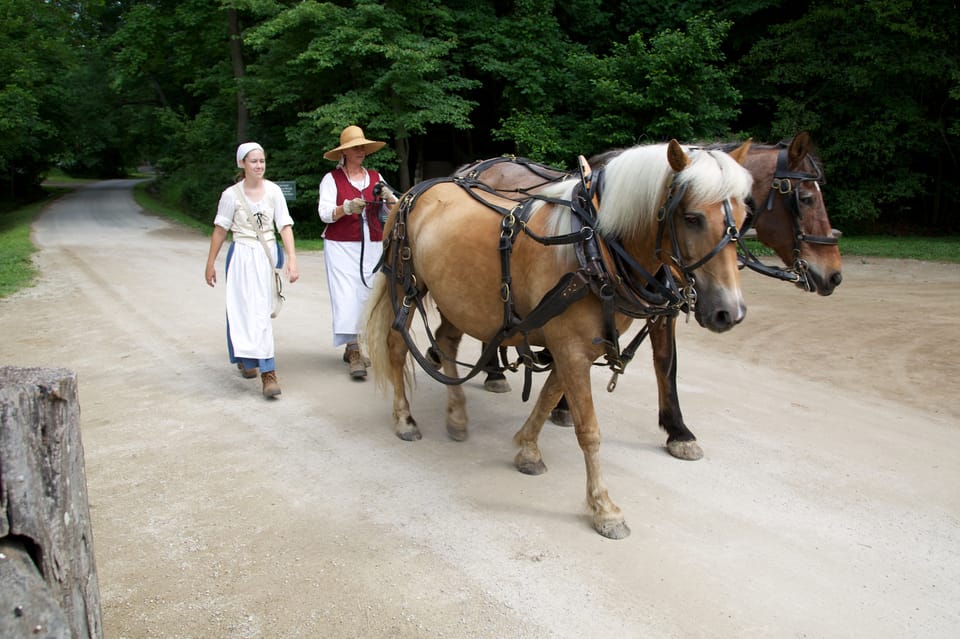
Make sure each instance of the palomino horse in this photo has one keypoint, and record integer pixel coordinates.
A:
(788, 214)
(561, 272)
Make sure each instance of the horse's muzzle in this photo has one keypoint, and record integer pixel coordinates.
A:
(720, 318)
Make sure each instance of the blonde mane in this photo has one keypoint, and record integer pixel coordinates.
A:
(636, 182)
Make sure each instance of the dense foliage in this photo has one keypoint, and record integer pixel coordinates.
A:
(97, 87)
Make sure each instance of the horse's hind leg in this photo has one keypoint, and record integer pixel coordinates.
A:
(448, 339)
(681, 443)
(404, 425)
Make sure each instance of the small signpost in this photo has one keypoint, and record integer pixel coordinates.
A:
(289, 190)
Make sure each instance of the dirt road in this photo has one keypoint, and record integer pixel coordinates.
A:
(827, 504)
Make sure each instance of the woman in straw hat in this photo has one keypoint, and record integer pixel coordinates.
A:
(352, 238)
(253, 204)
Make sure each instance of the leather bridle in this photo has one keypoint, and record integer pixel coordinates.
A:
(786, 184)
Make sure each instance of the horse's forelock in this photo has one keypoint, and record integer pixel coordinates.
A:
(634, 185)
(713, 175)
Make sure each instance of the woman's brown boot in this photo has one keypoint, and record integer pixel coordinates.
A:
(356, 363)
(270, 386)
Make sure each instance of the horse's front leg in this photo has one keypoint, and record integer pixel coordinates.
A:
(528, 459)
(681, 443)
(404, 425)
(448, 339)
(607, 518)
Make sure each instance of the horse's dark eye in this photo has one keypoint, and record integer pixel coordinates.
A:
(693, 220)
(806, 199)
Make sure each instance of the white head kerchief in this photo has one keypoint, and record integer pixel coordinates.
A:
(244, 149)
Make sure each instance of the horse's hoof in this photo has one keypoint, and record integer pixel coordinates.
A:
(690, 450)
(561, 417)
(410, 435)
(408, 431)
(613, 529)
(497, 386)
(528, 467)
(457, 434)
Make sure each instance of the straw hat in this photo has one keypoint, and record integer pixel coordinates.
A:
(350, 137)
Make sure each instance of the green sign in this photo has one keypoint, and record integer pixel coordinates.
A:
(289, 190)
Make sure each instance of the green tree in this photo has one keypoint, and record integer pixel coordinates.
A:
(676, 85)
(878, 84)
(175, 80)
(385, 66)
(35, 55)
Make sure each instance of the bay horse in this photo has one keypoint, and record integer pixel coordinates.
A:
(568, 270)
(787, 211)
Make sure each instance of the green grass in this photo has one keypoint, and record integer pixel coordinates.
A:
(928, 249)
(149, 203)
(16, 249)
(56, 176)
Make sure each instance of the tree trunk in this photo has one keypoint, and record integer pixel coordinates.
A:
(403, 150)
(46, 543)
(239, 71)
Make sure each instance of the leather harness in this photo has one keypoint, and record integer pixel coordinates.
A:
(606, 269)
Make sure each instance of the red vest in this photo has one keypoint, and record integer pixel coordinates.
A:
(347, 228)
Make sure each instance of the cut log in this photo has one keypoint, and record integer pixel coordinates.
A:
(44, 513)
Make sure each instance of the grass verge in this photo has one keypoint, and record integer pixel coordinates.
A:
(16, 249)
(928, 249)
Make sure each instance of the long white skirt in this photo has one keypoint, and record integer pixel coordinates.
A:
(348, 293)
(250, 300)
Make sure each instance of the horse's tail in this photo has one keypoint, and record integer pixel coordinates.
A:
(378, 321)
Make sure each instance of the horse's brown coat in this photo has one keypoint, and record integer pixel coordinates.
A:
(453, 247)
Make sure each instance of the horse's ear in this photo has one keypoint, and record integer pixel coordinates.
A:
(676, 156)
(584, 167)
(799, 148)
(740, 153)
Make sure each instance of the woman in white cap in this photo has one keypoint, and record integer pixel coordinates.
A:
(251, 209)
(352, 238)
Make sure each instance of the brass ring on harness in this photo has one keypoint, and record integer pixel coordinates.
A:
(504, 292)
(405, 253)
(782, 185)
(506, 227)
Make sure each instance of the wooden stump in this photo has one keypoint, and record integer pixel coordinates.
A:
(46, 543)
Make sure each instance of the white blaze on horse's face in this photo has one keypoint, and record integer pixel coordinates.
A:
(719, 298)
(704, 224)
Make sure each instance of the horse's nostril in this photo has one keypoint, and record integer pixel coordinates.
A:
(836, 278)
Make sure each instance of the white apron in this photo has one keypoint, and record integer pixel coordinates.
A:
(348, 295)
(249, 294)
